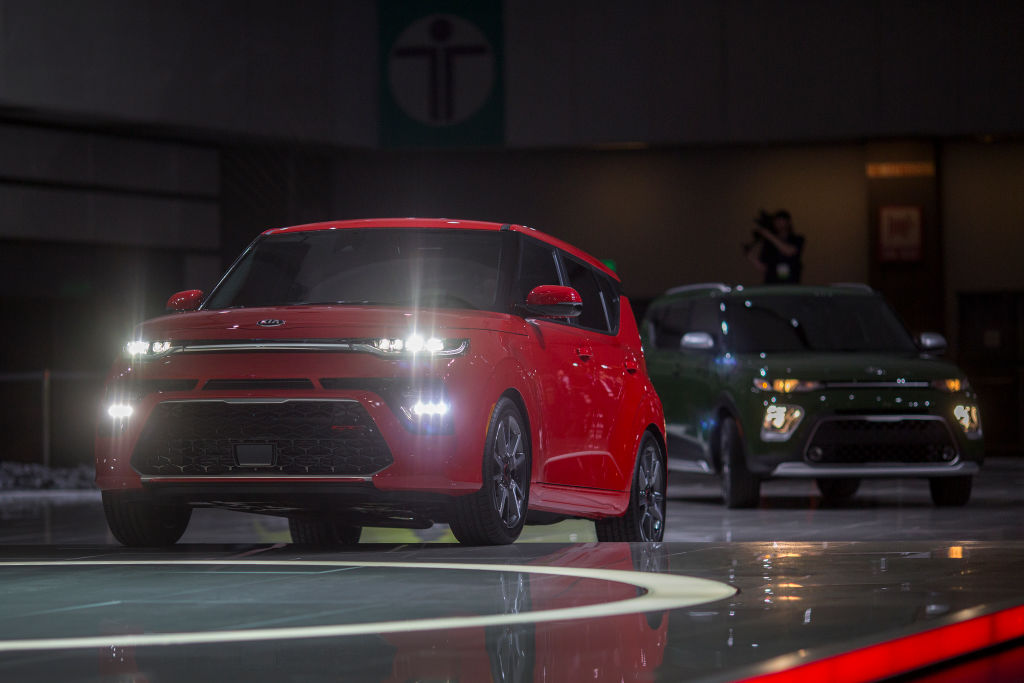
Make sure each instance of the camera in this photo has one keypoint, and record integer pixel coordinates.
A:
(764, 220)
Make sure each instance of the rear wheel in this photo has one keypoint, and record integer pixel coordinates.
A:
(138, 522)
(950, 491)
(740, 488)
(323, 532)
(495, 514)
(645, 517)
(838, 489)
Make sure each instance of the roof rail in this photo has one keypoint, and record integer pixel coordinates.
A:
(853, 285)
(721, 287)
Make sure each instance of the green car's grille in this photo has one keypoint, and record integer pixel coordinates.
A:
(874, 439)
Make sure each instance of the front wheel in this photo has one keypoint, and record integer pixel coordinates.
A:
(837, 489)
(495, 514)
(645, 517)
(950, 491)
(740, 488)
(138, 522)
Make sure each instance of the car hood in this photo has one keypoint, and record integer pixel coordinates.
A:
(853, 367)
(319, 322)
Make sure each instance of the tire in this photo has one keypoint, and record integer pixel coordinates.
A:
(137, 522)
(323, 532)
(950, 491)
(644, 520)
(837, 489)
(740, 488)
(495, 514)
(510, 647)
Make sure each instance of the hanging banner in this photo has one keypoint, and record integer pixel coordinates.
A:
(441, 73)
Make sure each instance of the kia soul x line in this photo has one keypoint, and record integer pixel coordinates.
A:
(389, 373)
(812, 382)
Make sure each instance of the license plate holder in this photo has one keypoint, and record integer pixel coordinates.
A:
(255, 454)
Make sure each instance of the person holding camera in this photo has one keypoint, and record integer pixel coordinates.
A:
(776, 250)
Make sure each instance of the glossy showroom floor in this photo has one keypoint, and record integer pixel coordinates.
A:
(792, 590)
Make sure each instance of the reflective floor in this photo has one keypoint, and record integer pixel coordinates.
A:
(729, 596)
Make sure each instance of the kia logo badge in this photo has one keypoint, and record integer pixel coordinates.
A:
(270, 322)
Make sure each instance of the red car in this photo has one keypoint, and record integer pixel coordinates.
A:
(393, 373)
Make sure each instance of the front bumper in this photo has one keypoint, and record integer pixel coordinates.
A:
(866, 434)
(316, 431)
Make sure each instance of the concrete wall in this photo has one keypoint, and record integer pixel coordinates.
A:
(577, 72)
(666, 216)
(983, 214)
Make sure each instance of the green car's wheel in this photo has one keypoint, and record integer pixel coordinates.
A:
(740, 488)
(837, 489)
(951, 491)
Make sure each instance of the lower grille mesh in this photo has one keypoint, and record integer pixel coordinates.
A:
(852, 440)
(309, 437)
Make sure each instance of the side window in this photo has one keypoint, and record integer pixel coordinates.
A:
(583, 279)
(610, 299)
(704, 318)
(670, 323)
(537, 266)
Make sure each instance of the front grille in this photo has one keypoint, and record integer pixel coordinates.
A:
(188, 438)
(137, 388)
(257, 384)
(866, 440)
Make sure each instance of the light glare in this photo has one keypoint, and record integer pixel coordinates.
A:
(120, 410)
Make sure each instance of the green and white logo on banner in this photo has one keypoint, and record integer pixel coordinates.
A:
(441, 73)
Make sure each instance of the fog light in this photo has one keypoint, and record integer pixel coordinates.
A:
(816, 454)
(969, 420)
(426, 409)
(948, 453)
(430, 408)
(120, 411)
(780, 421)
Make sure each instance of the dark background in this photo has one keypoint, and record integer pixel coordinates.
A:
(144, 143)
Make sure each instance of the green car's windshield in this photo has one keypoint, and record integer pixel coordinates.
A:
(786, 323)
(446, 268)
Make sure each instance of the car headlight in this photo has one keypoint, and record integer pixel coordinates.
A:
(780, 421)
(951, 385)
(969, 419)
(140, 348)
(418, 343)
(785, 386)
(427, 409)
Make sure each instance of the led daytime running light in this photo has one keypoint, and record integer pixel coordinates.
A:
(785, 386)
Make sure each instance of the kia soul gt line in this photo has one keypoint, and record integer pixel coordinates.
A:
(390, 373)
(811, 382)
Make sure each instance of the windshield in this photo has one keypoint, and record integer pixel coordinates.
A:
(814, 323)
(386, 266)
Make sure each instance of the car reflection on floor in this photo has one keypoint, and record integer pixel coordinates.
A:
(628, 646)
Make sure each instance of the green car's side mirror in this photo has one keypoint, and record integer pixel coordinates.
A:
(697, 341)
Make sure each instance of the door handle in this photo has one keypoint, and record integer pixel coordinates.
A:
(631, 364)
(585, 352)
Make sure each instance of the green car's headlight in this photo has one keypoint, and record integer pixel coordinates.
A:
(780, 421)
(969, 419)
(785, 386)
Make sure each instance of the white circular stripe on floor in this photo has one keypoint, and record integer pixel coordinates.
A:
(662, 592)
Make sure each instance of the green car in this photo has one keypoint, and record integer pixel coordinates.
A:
(807, 382)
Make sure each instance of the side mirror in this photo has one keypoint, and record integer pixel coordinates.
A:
(697, 341)
(188, 300)
(553, 301)
(932, 342)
